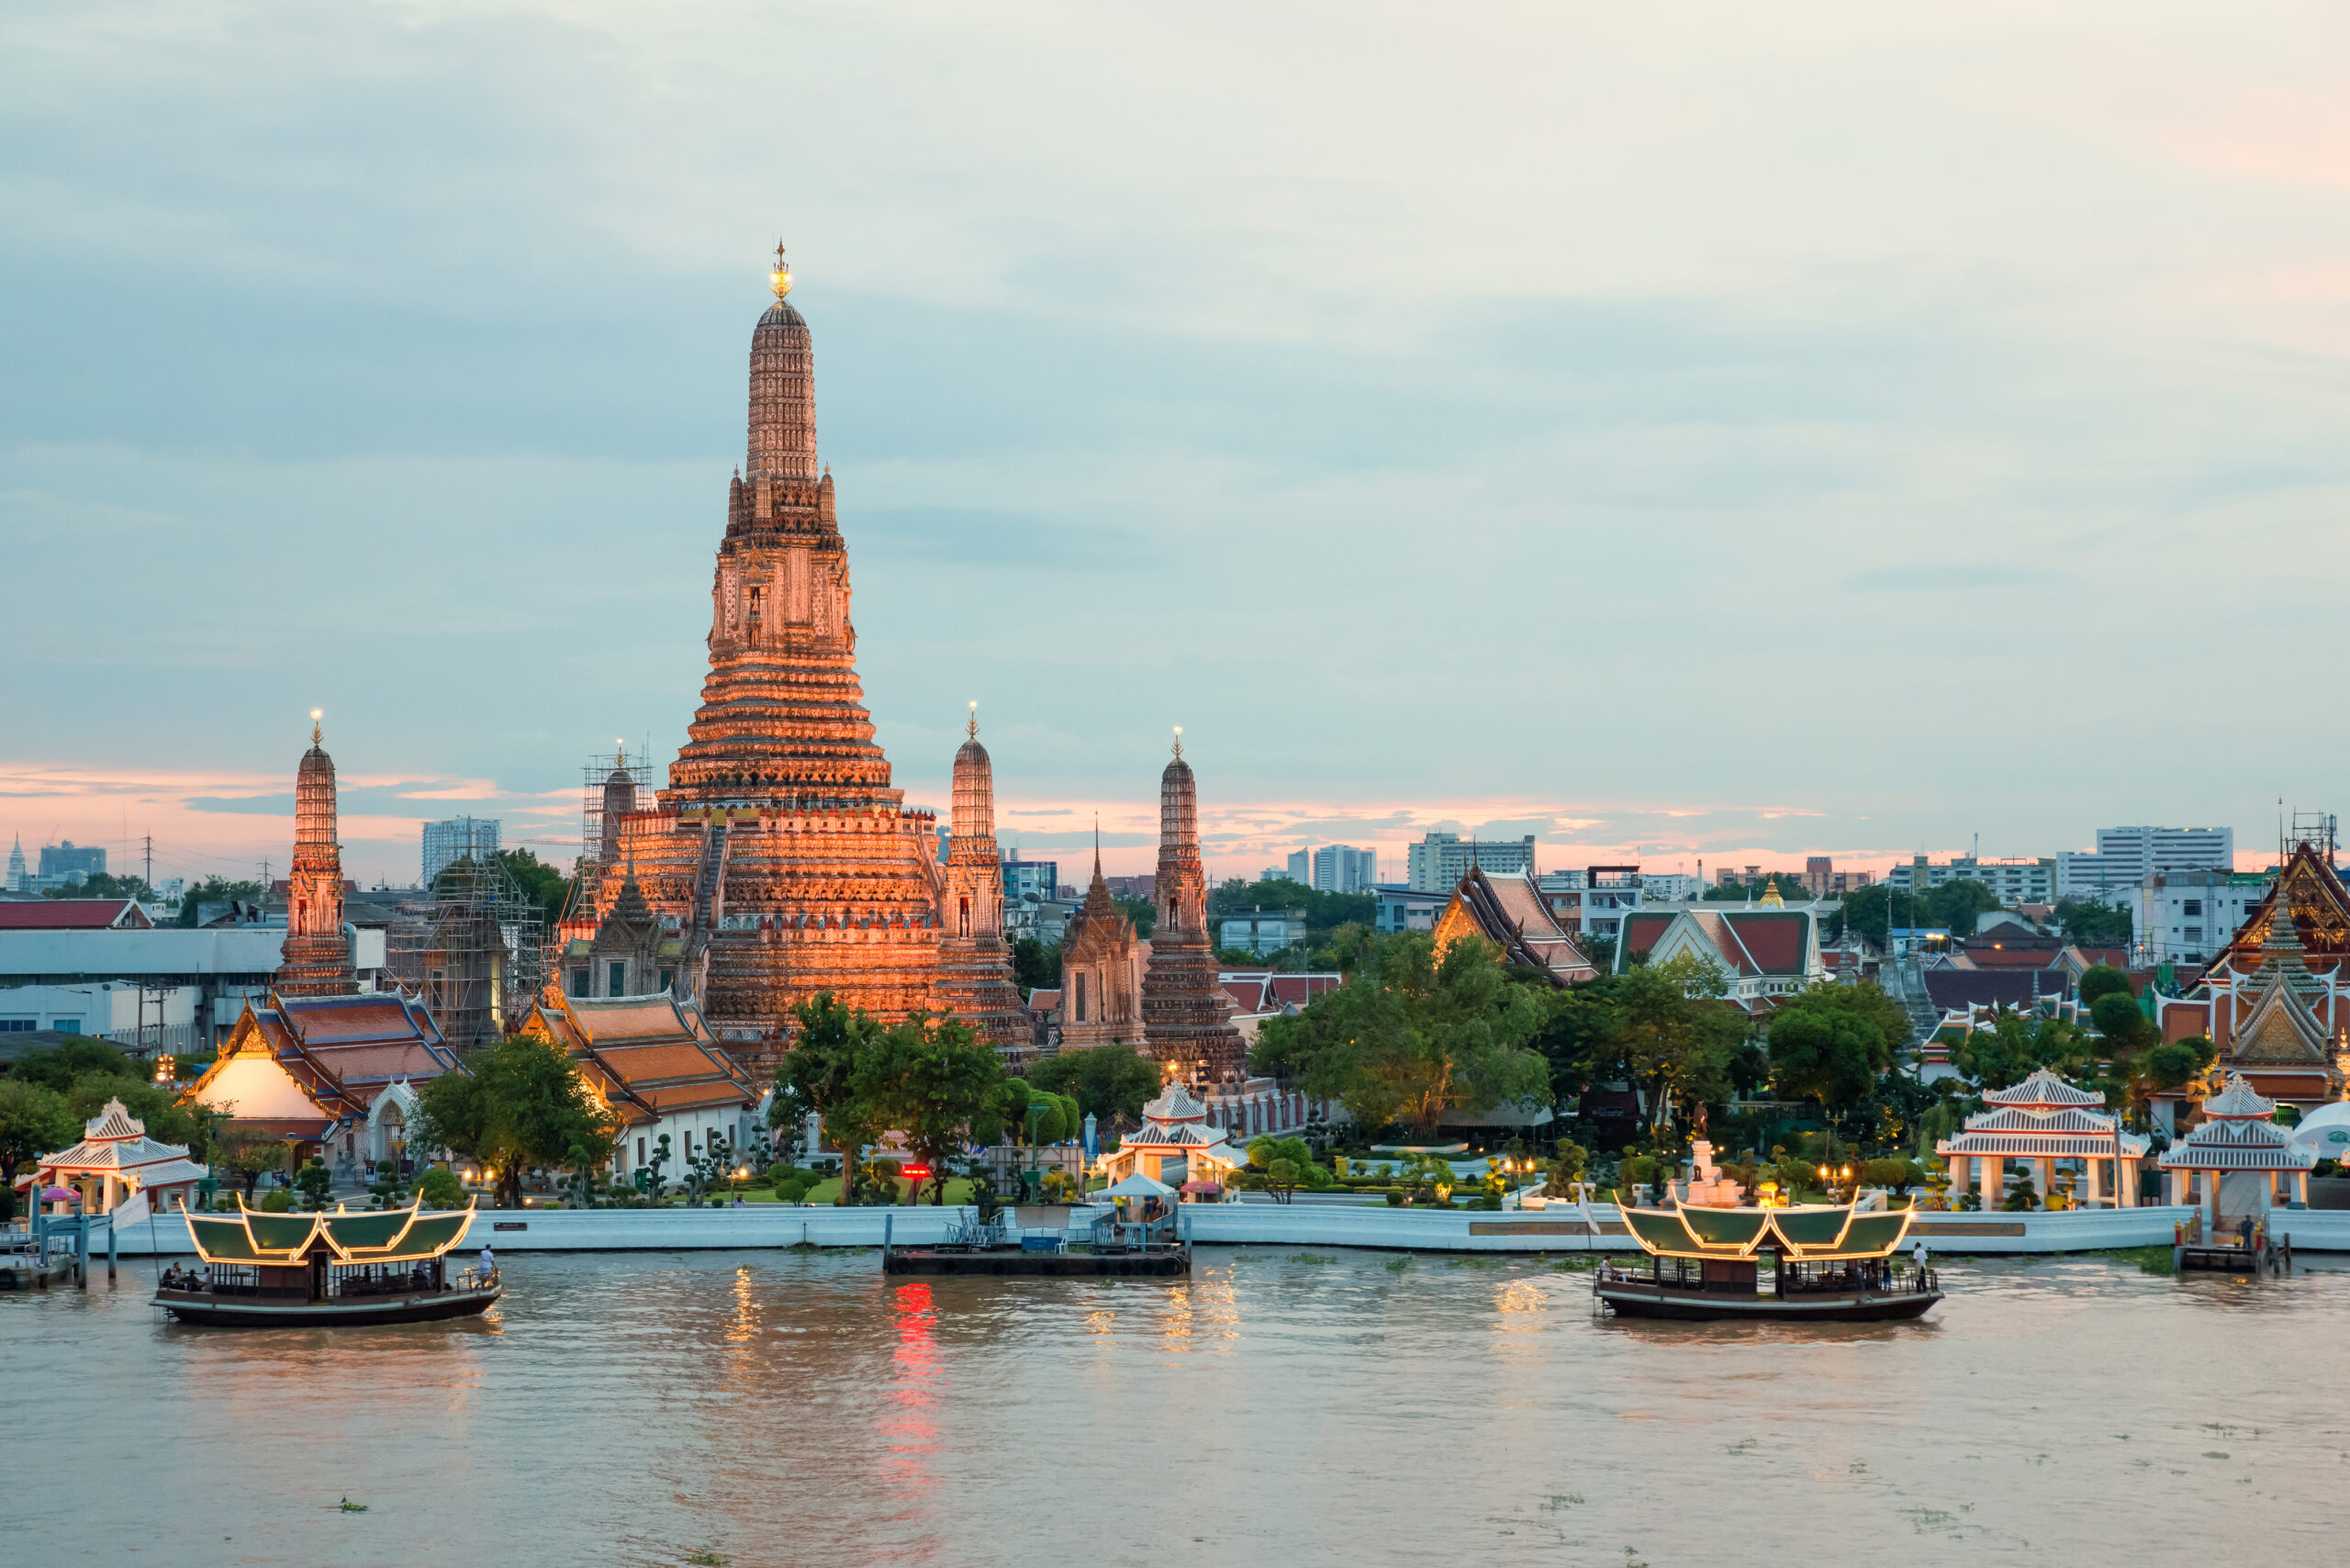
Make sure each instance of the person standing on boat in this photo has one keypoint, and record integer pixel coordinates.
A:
(1918, 1257)
(488, 1262)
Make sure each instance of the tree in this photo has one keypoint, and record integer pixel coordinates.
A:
(2017, 1044)
(438, 1189)
(1829, 1043)
(103, 885)
(2093, 923)
(314, 1181)
(820, 1076)
(34, 1121)
(1287, 1164)
(543, 887)
(2124, 1027)
(214, 890)
(1142, 913)
(522, 1104)
(1676, 1033)
(931, 1080)
(1105, 1081)
(250, 1156)
(1414, 1034)
(1035, 967)
(2103, 979)
(1323, 912)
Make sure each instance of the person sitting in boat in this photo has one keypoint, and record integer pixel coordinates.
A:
(171, 1280)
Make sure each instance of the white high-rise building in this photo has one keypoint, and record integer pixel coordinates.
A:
(1300, 869)
(1343, 869)
(2127, 856)
(445, 842)
(1438, 862)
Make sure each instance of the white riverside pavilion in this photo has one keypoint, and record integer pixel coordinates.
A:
(2242, 1157)
(115, 1159)
(2041, 1121)
(1174, 1139)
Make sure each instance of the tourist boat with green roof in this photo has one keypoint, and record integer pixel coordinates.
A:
(321, 1270)
(1828, 1263)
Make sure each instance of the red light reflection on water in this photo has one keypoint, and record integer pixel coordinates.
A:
(906, 1423)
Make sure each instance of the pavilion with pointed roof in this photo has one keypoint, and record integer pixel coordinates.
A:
(2237, 1160)
(2044, 1121)
(115, 1160)
(1174, 1145)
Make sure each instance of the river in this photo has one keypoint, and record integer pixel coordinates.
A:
(1280, 1408)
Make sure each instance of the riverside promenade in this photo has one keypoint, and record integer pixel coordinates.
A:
(1554, 1229)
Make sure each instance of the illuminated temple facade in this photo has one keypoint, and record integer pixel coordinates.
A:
(780, 857)
(974, 962)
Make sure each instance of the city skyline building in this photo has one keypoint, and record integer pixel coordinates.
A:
(446, 842)
(1439, 860)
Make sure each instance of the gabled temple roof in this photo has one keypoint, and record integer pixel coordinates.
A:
(2311, 891)
(2044, 1088)
(331, 1055)
(646, 1056)
(74, 915)
(115, 1141)
(1511, 912)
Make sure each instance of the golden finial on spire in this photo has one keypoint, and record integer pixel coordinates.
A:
(621, 759)
(1178, 740)
(972, 729)
(316, 714)
(780, 278)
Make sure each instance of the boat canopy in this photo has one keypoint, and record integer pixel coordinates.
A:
(375, 1236)
(1812, 1233)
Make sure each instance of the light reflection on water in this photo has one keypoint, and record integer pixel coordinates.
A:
(785, 1408)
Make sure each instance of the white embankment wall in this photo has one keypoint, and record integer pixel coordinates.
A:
(1276, 1225)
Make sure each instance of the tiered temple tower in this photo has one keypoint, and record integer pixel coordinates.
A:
(317, 957)
(1101, 973)
(974, 962)
(1186, 1016)
(779, 851)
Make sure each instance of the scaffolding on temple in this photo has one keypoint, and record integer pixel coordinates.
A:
(472, 948)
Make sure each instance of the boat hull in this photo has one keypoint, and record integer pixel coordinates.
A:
(1700, 1306)
(244, 1312)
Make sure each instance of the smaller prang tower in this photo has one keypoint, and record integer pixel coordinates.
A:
(1186, 1016)
(317, 957)
(974, 962)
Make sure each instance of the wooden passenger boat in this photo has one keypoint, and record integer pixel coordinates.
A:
(1829, 1264)
(340, 1269)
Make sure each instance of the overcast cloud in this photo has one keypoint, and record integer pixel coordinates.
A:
(1703, 430)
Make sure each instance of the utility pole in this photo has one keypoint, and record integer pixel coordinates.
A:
(150, 877)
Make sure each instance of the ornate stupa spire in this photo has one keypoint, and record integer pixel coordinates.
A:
(783, 387)
(1185, 1013)
(316, 961)
(974, 962)
(778, 828)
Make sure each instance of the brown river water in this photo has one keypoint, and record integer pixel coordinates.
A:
(1278, 1408)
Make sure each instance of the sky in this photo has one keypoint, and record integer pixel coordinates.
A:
(1697, 433)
